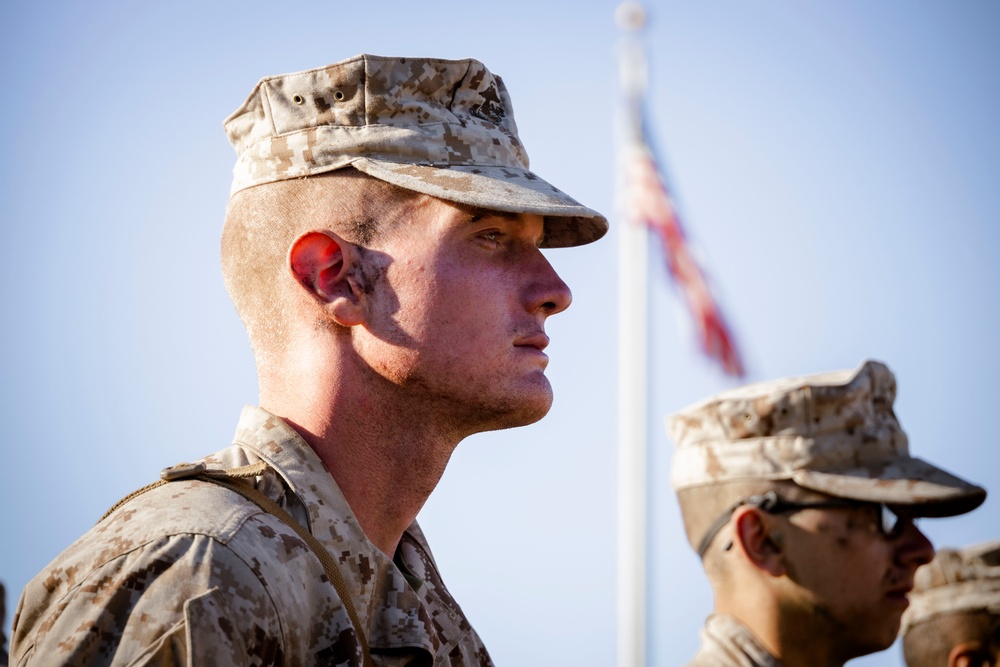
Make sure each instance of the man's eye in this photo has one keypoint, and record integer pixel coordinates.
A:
(493, 237)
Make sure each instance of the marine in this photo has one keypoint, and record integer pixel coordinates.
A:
(954, 618)
(383, 248)
(801, 497)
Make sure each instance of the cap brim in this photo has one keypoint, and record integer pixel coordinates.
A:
(908, 482)
(515, 190)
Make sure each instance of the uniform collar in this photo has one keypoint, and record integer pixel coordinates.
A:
(730, 633)
(402, 603)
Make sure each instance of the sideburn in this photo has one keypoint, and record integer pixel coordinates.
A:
(369, 270)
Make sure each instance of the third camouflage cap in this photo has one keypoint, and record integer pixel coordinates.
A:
(956, 581)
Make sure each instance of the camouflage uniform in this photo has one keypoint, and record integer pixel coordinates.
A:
(191, 574)
(725, 642)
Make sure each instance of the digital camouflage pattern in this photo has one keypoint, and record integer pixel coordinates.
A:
(192, 574)
(957, 580)
(725, 642)
(444, 128)
(835, 433)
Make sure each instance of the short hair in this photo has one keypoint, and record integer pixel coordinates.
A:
(929, 643)
(701, 506)
(263, 221)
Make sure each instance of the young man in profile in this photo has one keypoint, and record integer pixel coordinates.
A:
(382, 246)
(800, 495)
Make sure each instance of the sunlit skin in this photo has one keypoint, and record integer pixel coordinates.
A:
(820, 586)
(403, 349)
(461, 326)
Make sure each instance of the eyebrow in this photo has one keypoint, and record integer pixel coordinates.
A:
(475, 212)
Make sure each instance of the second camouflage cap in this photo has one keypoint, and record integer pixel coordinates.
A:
(444, 128)
(835, 433)
(956, 581)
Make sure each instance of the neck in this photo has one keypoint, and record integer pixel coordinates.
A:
(786, 633)
(385, 459)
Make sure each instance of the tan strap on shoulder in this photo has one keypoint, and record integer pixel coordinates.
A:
(232, 479)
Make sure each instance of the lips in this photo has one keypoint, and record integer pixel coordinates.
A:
(899, 594)
(539, 341)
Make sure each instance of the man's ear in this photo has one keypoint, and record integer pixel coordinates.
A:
(753, 534)
(966, 654)
(324, 264)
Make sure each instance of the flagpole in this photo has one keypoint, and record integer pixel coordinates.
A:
(632, 361)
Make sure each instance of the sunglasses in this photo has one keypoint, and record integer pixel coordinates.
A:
(890, 522)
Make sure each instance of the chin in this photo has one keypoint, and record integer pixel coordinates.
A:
(536, 415)
(519, 412)
(866, 631)
(539, 404)
(881, 642)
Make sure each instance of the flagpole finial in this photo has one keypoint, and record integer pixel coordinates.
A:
(630, 16)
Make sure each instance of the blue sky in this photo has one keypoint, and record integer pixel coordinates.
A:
(835, 163)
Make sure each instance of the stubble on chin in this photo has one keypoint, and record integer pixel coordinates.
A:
(477, 412)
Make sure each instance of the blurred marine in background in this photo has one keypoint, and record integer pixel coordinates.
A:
(954, 616)
(800, 495)
(382, 246)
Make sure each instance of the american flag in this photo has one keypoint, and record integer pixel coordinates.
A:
(648, 202)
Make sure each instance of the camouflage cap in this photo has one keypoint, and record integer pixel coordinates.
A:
(835, 433)
(957, 580)
(444, 128)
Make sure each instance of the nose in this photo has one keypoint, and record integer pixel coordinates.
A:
(913, 548)
(547, 291)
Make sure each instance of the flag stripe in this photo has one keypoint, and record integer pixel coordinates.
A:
(648, 202)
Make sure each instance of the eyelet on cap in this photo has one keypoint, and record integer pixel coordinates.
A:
(298, 99)
(338, 95)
